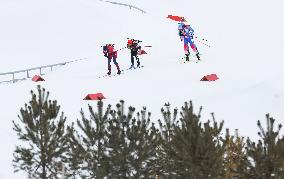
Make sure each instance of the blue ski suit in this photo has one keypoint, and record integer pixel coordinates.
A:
(186, 35)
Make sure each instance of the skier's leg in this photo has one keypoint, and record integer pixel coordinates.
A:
(186, 49)
(117, 66)
(192, 45)
(194, 48)
(132, 60)
(114, 61)
(109, 66)
(197, 55)
(138, 62)
(185, 46)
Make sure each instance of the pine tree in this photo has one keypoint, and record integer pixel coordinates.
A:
(280, 154)
(44, 136)
(88, 155)
(236, 162)
(165, 164)
(196, 147)
(267, 154)
(132, 143)
(144, 138)
(119, 150)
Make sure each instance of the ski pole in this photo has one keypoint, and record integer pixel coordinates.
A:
(121, 48)
(116, 50)
(203, 43)
(203, 39)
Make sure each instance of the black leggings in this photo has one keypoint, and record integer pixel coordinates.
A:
(132, 59)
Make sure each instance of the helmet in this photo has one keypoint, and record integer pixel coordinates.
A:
(129, 42)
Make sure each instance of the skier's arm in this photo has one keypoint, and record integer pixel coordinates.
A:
(191, 32)
(105, 53)
(191, 29)
(138, 49)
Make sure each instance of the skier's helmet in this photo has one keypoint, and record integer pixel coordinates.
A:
(129, 43)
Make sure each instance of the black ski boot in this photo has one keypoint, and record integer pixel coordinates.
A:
(118, 70)
(138, 64)
(198, 55)
(187, 57)
(109, 70)
(131, 67)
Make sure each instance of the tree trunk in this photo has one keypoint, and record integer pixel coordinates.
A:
(43, 172)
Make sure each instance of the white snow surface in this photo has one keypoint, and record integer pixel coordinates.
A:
(247, 45)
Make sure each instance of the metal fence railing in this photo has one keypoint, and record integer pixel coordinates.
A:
(27, 71)
(129, 5)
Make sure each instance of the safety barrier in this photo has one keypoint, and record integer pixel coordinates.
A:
(27, 71)
(129, 5)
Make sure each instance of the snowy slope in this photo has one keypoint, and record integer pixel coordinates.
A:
(246, 54)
